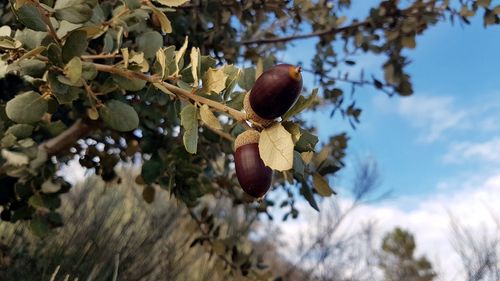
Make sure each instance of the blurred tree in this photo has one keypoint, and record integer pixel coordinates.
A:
(479, 251)
(398, 261)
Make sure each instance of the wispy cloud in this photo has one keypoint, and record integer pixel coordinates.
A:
(488, 151)
(433, 116)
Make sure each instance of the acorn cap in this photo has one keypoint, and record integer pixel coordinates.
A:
(247, 137)
(252, 115)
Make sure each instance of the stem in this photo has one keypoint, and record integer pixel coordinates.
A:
(100, 56)
(66, 139)
(319, 33)
(181, 93)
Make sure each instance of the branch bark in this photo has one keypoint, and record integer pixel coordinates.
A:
(66, 139)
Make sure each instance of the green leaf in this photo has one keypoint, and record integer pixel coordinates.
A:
(39, 226)
(132, 4)
(321, 185)
(30, 16)
(74, 11)
(129, 84)
(307, 141)
(36, 201)
(189, 122)
(208, 117)
(75, 45)
(149, 43)
(306, 192)
(54, 54)
(301, 104)
(119, 116)
(247, 78)
(26, 108)
(20, 131)
(298, 166)
(151, 170)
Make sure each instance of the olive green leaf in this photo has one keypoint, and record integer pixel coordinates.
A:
(39, 226)
(209, 118)
(214, 80)
(276, 148)
(30, 16)
(75, 45)
(74, 11)
(20, 131)
(133, 4)
(26, 108)
(305, 191)
(149, 43)
(321, 185)
(129, 84)
(119, 116)
(247, 78)
(301, 104)
(189, 122)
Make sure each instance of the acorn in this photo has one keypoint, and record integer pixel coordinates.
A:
(275, 91)
(253, 175)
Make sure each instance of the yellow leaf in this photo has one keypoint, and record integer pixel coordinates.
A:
(161, 59)
(195, 63)
(322, 155)
(5, 31)
(294, 129)
(172, 3)
(209, 118)
(259, 69)
(179, 54)
(276, 148)
(307, 156)
(215, 80)
(73, 70)
(165, 24)
(125, 56)
(321, 185)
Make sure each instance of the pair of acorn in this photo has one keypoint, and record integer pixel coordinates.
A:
(273, 94)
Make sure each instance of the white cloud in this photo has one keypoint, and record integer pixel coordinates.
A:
(472, 202)
(432, 115)
(487, 151)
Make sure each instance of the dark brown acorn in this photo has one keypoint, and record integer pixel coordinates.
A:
(275, 91)
(254, 177)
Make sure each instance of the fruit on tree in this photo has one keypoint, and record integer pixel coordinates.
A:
(253, 175)
(275, 91)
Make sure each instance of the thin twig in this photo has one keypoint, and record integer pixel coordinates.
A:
(237, 115)
(200, 227)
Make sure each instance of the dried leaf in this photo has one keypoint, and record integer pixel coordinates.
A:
(215, 80)
(209, 118)
(276, 148)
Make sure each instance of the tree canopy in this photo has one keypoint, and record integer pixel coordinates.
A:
(158, 83)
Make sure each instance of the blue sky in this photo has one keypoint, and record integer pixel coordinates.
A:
(455, 71)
